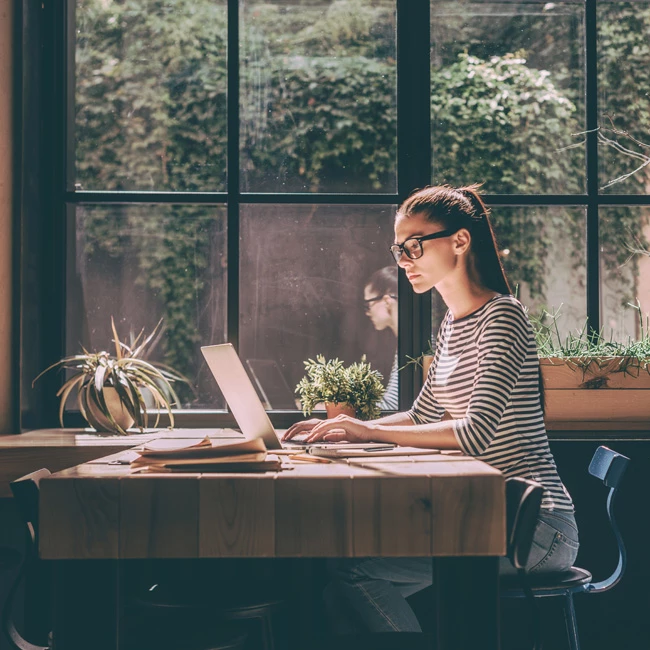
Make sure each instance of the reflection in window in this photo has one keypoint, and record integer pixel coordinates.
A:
(304, 269)
(318, 96)
(507, 96)
(625, 269)
(139, 264)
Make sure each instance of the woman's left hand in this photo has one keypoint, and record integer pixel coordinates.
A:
(341, 428)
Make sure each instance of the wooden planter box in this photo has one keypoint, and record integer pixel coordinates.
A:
(602, 391)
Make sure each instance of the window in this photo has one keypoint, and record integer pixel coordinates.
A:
(233, 168)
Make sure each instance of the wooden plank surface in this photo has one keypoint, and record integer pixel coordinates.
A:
(79, 516)
(451, 506)
(237, 518)
(58, 449)
(159, 518)
(392, 516)
(600, 404)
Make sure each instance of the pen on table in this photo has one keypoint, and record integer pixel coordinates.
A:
(308, 458)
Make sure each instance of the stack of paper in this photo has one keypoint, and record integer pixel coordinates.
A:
(204, 455)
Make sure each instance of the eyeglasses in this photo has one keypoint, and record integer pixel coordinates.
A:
(368, 302)
(412, 246)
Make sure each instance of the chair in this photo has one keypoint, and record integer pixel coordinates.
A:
(26, 493)
(609, 467)
(259, 611)
(523, 503)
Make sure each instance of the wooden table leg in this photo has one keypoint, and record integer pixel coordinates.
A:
(86, 604)
(466, 593)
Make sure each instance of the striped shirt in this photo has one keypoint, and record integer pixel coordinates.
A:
(390, 400)
(485, 374)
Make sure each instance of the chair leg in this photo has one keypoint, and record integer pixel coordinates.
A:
(571, 622)
(268, 642)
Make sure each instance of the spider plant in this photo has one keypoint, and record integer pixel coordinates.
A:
(128, 373)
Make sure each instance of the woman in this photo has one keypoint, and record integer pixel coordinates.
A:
(485, 374)
(380, 300)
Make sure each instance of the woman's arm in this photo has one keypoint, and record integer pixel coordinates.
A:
(398, 429)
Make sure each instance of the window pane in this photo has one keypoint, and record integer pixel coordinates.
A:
(624, 102)
(507, 96)
(150, 95)
(543, 250)
(625, 270)
(303, 273)
(318, 96)
(139, 264)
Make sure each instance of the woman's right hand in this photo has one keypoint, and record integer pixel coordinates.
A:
(300, 428)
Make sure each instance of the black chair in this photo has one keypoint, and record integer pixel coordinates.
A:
(609, 467)
(26, 493)
(255, 613)
(523, 503)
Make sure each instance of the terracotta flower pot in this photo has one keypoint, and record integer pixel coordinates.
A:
(339, 408)
(117, 410)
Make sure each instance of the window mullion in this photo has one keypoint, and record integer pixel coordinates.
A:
(413, 169)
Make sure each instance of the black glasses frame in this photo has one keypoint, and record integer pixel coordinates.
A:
(396, 250)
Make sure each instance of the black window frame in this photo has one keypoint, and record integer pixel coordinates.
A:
(44, 109)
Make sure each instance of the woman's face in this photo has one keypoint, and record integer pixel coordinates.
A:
(439, 256)
(378, 307)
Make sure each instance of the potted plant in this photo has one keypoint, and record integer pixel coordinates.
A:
(110, 388)
(355, 390)
(588, 377)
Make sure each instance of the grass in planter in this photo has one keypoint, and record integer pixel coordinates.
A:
(586, 347)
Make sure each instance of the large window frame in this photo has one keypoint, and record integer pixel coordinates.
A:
(46, 165)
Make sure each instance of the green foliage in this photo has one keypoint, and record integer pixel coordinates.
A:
(330, 381)
(585, 349)
(502, 122)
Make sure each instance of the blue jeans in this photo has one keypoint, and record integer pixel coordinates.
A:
(369, 595)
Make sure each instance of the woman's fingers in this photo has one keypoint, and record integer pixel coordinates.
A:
(335, 436)
(300, 427)
(323, 428)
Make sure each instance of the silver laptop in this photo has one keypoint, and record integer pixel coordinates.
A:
(240, 394)
(246, 407)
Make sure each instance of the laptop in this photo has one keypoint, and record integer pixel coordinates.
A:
(244, 403)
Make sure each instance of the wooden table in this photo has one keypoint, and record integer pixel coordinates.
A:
(450, 508)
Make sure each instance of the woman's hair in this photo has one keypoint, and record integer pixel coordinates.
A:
(456, 208)
(384, 281)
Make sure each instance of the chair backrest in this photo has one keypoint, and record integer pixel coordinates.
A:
(610, 466)
(523, 501)
(25, 491)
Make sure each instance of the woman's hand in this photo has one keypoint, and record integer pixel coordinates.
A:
(299, 428)
(339, 429)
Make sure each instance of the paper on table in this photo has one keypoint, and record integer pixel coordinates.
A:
(370, 453)
(195, 448)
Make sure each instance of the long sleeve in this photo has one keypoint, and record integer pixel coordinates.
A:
(502, 345)
(426, 408)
